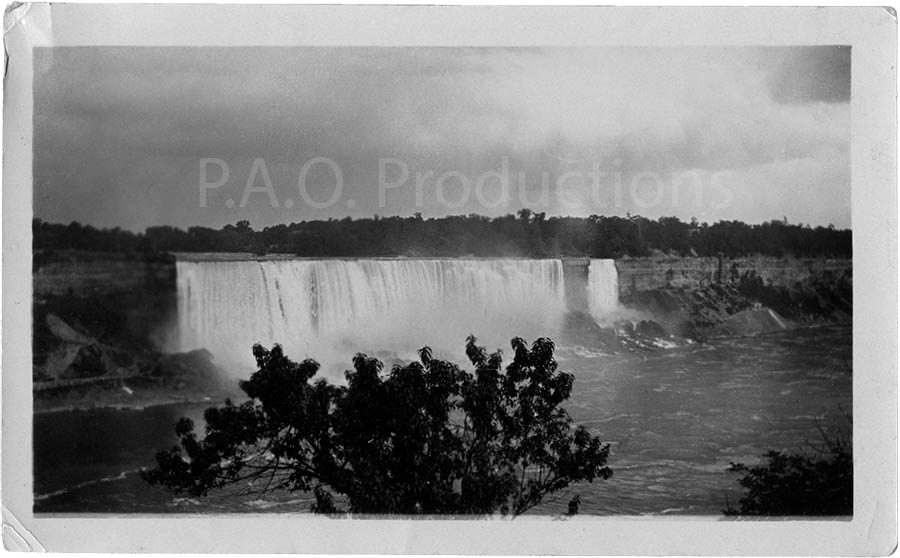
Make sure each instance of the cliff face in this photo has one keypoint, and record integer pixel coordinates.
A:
(646, 274)
(111, 300)
(696, 297)
(85, 274)
(575, 280)
(131, 300)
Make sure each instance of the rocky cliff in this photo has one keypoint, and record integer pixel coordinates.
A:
(645, 274)
(129, 302)
(704, 297)
(85, 274)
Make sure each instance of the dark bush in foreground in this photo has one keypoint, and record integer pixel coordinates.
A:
(796, 484)
(427, 437)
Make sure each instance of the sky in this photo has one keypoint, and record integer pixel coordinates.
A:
(143, 136)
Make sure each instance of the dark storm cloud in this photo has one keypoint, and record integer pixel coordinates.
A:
(812, 74)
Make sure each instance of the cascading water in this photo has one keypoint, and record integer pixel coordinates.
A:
(330, 309)
(603, 289)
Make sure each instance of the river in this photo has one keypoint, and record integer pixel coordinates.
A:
(676, 418)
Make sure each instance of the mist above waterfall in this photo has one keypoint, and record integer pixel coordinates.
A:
(331, 309)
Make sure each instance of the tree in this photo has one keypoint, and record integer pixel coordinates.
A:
(798, 484)
(428, 437)
(527, 234)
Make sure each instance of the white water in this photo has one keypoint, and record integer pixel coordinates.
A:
(603, 290)
(331, 309)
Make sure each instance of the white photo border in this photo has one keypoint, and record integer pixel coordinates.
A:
(872, 34)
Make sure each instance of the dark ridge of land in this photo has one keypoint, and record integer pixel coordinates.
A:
(527, 234)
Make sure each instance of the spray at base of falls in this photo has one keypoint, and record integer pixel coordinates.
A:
(331, 309)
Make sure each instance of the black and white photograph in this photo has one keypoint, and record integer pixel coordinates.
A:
(420, 280)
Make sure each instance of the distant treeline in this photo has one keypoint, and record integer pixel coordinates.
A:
(526, 234)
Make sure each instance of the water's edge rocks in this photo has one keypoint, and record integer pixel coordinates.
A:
(79, 371)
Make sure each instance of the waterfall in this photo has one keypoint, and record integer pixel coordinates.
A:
(330, 309)
(603, 289)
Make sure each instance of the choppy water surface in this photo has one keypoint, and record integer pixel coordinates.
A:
(676, 419)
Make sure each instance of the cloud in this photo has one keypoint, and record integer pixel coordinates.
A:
(119, 131)
(813, 74)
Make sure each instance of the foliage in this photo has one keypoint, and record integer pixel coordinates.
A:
(526, 234)
(427, 437)
(798, 484)
(824, 294)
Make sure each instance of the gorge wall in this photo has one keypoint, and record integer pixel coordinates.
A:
(121, 299)
(645, 274)
(85, 274)
(703, 297)
(92, 274)
(145, 306)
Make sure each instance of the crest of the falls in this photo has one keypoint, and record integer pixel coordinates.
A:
(330, 309)
(603, 289)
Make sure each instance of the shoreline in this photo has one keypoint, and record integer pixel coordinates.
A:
(160, 400)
